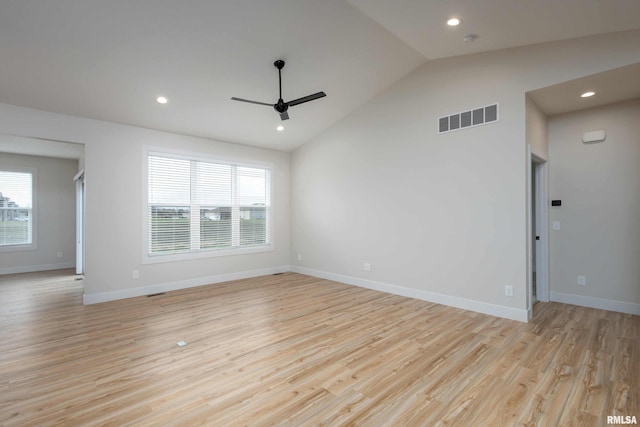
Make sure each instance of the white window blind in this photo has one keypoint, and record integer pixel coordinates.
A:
(199, 205)
(16, 205)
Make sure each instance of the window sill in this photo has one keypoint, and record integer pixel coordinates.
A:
(18, 248)
(188, 256)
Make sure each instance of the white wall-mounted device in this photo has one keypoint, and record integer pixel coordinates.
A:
(593, 136)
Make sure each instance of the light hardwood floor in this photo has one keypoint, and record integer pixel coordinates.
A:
(295, 350)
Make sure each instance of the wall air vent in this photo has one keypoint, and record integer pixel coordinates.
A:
(467, 119)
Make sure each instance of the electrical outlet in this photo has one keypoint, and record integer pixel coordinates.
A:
(136, 274)
(582, 281)
(299, 257)
(508, 290)
(367, 266)
(59, 254)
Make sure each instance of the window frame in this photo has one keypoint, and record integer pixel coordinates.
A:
(148, 258)
(21, 247)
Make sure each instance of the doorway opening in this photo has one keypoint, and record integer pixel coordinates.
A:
(79, 180)
(534, 234)
(538, 231)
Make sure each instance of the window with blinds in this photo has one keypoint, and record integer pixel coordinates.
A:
(16, 208)
(197, 205)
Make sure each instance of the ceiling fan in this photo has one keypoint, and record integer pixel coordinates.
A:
(281, 107)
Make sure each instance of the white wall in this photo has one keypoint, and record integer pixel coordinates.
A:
(439, 217)
(452, 208)
(537, 130)
(599, 185)
(55, 215)
(113, 164)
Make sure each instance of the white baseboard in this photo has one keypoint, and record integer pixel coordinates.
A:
(601, 303)
(521, 315)
(529, 314)
(463, 303)
(34, 268)
(181, 284)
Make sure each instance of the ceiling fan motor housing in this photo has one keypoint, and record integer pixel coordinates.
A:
(281, 106)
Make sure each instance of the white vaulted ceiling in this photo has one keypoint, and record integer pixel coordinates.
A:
(498, 24)
(109, 60)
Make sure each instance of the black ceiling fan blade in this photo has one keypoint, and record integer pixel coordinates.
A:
(306, 98)
(284, 116)
(252, 102)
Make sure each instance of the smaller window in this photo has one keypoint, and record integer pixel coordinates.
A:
(16, 209)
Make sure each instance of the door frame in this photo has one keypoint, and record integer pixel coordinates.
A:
(80, 204)
(537, 168)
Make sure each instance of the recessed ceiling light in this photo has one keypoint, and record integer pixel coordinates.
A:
(162, 100)
(280, 128)
(454, 22)
(588, 94)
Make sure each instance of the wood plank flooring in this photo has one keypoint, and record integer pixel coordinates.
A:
(295, 350)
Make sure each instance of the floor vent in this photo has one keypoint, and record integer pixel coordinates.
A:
(155, 295)
(468, 119)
